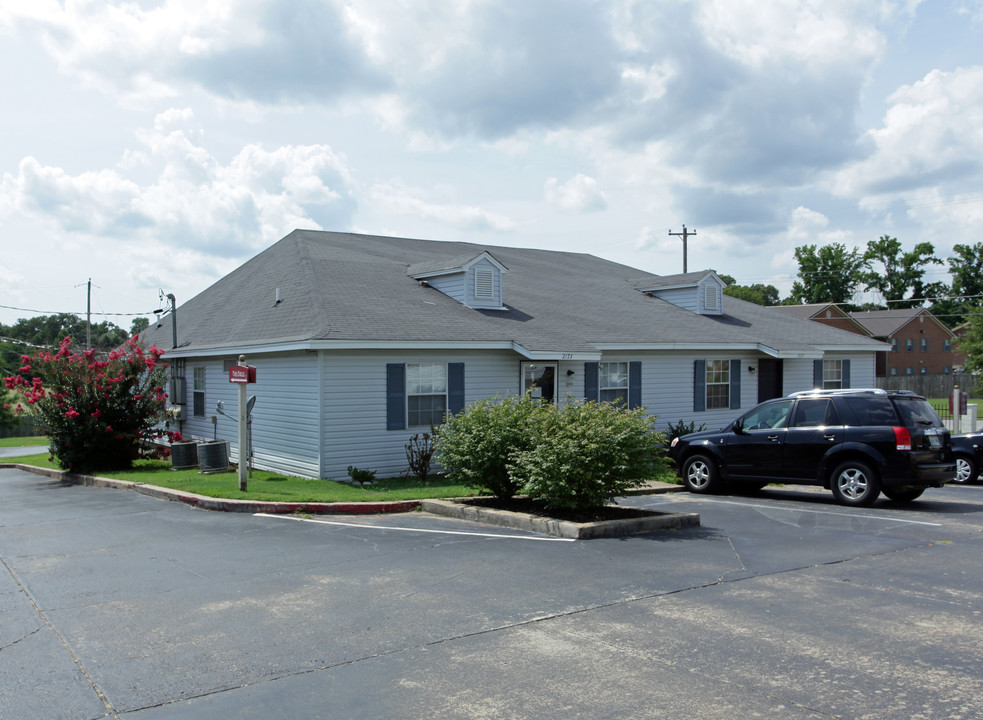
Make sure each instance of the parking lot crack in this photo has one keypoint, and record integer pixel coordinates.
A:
(48, 625)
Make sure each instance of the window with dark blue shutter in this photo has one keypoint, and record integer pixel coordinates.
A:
(455, 387)
(634, 384)
(395, 396)
(735, 384)
(700, 385)
(590, 381)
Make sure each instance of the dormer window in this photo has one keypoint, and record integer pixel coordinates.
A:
(698, 292)
(473, 280)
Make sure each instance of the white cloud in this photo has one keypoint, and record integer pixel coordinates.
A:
(461, 217)
(579, 194)
(194, 201)
(932, 135)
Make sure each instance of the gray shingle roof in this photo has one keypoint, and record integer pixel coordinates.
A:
(884, 323)
(354, 289)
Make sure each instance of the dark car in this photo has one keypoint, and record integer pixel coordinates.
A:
(968, 450)
(856, 443)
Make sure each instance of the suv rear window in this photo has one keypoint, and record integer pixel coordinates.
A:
(915, 411)
(872, 411)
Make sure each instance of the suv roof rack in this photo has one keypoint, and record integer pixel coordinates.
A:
(840, 391)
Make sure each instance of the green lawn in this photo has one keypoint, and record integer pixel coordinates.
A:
(274, 487)
(267, 485)
(23, 441)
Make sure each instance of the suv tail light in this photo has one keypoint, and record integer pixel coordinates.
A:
(903, 438)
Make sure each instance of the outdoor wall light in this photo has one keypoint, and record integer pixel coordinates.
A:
(752, 369)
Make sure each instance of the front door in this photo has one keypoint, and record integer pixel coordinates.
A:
(769, 379)
(539, 380)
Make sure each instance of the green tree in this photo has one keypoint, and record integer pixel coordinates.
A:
(94, 412)
(966, 292)
(827, 274)
(50, 330)
(139, 325)
(899, 276)
(758, 293)
(972, 343)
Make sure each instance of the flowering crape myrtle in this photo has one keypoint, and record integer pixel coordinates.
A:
(94, 412)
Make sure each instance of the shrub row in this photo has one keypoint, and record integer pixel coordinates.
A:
(571, 457)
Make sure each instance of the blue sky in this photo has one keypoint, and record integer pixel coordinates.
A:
(157, 145)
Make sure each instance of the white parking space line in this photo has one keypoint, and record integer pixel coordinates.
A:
(815, 512)
(495, 536)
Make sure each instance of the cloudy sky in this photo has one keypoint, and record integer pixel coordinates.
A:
(157, 144)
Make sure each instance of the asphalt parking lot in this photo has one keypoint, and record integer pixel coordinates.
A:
(782, 604)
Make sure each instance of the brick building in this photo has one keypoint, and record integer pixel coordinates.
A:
(921, 344)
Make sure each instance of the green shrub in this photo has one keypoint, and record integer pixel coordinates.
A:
(419, 455)
(680, 428)
(476, 446)
(362, 477)
(587, 454)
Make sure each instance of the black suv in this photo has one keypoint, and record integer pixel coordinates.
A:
(856, 443)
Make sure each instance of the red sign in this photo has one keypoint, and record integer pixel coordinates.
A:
(242, 374)
(963, 403)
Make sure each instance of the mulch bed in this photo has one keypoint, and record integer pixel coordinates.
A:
(534, 507)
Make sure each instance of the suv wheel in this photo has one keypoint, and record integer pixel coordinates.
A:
(903, 493)
(855, 483)
(700, 474)
(966, 469)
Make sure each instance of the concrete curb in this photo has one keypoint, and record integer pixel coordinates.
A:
(561, 528)
(224, 504)
(446, 508)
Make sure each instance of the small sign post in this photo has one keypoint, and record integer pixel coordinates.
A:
(242, 375)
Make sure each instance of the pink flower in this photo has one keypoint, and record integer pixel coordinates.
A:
(71, 414)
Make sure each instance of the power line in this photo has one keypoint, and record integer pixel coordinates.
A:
(73, 312)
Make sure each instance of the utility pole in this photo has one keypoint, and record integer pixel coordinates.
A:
(88, 316)
(684, 235)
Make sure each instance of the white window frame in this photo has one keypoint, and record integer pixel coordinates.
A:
(832, 374)
(198, 391)
(612, 382)
(426, 383)
(718, 384)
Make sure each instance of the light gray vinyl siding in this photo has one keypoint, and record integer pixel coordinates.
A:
(686, 298)
(454, 285)
(496, 300)
(285, 417)
(354, 409)
(797, 375)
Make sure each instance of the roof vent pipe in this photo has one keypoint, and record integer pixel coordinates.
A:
(170, 296)
(277, 297)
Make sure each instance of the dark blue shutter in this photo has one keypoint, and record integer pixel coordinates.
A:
(395, 396)
(817, 374)
(634, 384)
(735, 384)
(845, 367)
(455, 387)
(700, 385)
(591, 381)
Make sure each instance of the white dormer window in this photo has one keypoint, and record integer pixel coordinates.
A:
(484, 284)
(710, 297)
